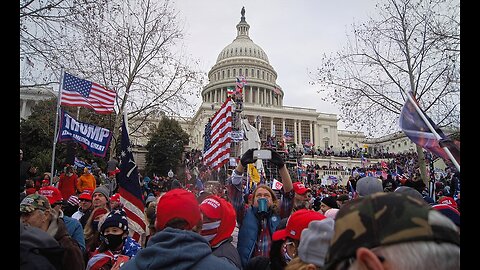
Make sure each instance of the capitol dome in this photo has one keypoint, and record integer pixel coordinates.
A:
(242, 45)
(243, 58)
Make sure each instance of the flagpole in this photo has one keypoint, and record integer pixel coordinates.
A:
(437, 136)
(56, 126)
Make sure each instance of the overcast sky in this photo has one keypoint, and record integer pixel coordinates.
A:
(293, 33)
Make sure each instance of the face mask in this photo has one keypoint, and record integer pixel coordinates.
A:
(286, 257)
(113, 240)
(95, 225)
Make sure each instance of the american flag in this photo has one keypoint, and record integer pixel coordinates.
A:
(218, 136)
(241, 81)
(277, 91)
(79, 92)
(130, 189)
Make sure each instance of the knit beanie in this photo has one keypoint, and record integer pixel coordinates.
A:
(116, 218)
(449, 211)
(315, 241)
(103, 190)
(73, 200)
(330, 202)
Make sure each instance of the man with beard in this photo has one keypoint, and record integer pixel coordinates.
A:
(303, 197)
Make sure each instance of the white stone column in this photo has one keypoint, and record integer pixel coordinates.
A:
(271, 125)
(311, 133)
(300, 132)
(295, 131)
(258, 95)
(250, 98)
(317, 135)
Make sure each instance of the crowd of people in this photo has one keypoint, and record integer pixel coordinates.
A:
(78, 221)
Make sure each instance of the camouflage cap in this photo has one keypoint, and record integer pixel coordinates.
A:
(383, 219)
(33, 202)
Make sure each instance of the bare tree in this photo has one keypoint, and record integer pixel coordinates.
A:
(131, 47)
(412, 46)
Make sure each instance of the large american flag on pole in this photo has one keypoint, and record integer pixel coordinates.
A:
(218, 136)
(130, 189)
(83, 93)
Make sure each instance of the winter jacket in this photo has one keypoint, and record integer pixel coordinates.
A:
(73, 257)
(67, 185)
(227, 251)
(248, 234)
(39, 250)
(176, 249)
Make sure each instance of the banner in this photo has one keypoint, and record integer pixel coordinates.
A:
(95, 139)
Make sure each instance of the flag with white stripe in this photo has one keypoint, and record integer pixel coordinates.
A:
(130, 189)
(218, 136)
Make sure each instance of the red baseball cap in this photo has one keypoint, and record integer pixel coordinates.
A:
(298, 221)
(448, 201)
(86, 194)
(51, 193)
(115, 197)
(177, 203)
(218, 209)
(300, 188)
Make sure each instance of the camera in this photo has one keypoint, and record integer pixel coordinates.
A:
(262, 154)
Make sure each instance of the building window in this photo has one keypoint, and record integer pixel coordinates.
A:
(253, 73)
(325, 130)
(258, 73)
(263, 75)
(246, 72)
(326, 145)
(223, 74)
(240, 71)
(228, 73)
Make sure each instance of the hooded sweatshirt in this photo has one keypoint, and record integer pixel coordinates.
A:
(39, 250)
(176, 249)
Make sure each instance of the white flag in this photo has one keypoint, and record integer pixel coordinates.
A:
(276, 185)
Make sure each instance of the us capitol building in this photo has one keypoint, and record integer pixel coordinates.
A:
(262, 105)
(263, 101)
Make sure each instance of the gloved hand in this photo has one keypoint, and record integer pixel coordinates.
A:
(247, 157)
(277, 159)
